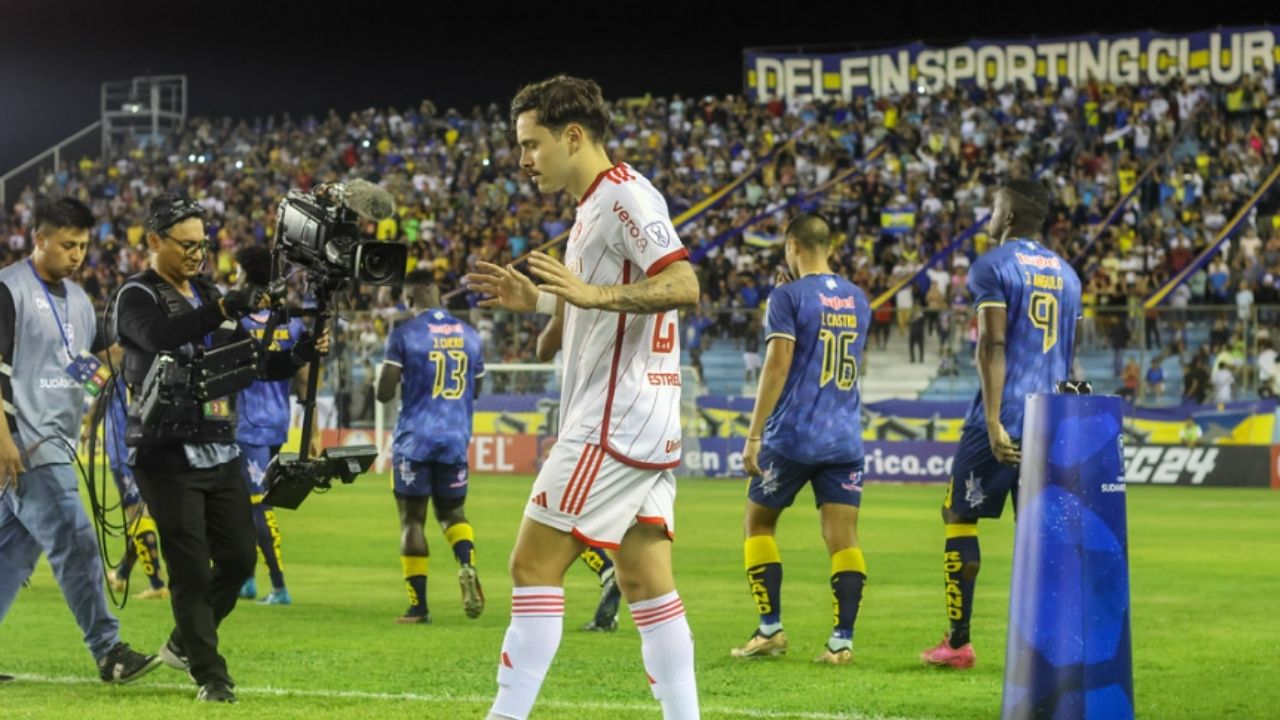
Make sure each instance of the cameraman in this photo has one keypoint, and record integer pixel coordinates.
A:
(193, 487)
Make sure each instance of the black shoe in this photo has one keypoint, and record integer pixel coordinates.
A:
(606, 619)
(414, 616)
(216, 691)
(6, 678)
(123, 664)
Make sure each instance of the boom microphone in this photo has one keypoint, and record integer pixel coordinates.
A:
(369, 200)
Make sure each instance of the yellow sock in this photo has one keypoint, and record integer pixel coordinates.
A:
(760, 550)
(414, 565)
(415, 580)
(462, 538)
(959, 530)
(849, 560)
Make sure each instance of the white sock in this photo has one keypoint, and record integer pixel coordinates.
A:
(537, 621)
(667, 646)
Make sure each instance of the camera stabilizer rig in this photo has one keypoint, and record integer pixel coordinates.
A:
(320, 232)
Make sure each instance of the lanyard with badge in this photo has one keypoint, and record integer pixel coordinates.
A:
(84, 367)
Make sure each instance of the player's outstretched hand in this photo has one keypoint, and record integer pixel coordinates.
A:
(506, 287)
(1003, 447)
(562, 282)
(751, 457)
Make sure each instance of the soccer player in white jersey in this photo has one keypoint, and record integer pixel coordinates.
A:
(608, 481)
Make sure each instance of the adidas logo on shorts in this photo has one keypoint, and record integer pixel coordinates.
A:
(540, 499)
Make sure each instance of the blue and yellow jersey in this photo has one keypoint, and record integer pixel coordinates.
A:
(818, 417)
(1040, 293)
(264, 406)
(440, 359)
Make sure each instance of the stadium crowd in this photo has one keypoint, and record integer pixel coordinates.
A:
(462, 198)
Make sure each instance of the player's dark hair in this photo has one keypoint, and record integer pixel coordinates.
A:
(1030, 202)
(256, 263)
(421, 286)
(564, 100)
(811, 230)
(63, 213)
(420, 278)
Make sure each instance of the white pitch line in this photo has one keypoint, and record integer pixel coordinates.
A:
(734, 712)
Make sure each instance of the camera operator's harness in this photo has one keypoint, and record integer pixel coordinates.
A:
(181, 399)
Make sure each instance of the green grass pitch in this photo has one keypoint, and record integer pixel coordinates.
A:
(1204, 584)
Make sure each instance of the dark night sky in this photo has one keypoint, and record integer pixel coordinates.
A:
(246, 58)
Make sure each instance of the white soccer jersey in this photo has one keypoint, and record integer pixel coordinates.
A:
(621, 385)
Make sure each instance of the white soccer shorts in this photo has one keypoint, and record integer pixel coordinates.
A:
(585, 491)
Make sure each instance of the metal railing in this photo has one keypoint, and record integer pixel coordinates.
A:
(54, 153)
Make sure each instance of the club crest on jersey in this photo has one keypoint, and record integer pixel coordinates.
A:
(973, 493)
(657, 232)
(769, 481)
(407, 475)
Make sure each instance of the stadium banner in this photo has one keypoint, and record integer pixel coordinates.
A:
(1239, 423)
(897, 461)
(1220, 57)
(907, 461)
(489, 453)
(922, 461)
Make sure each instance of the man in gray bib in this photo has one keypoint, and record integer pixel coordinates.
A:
(47, 331)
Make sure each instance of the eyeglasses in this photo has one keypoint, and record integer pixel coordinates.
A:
(188, 248)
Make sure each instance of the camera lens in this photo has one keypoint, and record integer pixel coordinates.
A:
(379, 263)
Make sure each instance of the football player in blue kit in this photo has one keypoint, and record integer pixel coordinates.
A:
(1028, 302)
(806, 428)
(435, 359)
(265, 410)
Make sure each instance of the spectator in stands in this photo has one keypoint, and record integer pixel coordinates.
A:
(1268, 379)
(1244, 301)
(695, 328)
(935, 304)
(454, 209)
(947, 365)
(1219, 334)
(1222, 380)
(1195, 379)
(881, 320)
(1130, 377)
(1119, 335)
(916, 332)
(1155, 379)
(1191, 433)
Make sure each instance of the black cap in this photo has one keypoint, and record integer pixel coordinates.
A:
(169, 209)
